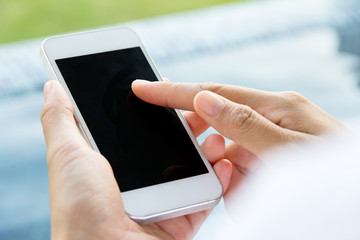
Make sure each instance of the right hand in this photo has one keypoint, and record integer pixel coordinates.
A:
(254, 120)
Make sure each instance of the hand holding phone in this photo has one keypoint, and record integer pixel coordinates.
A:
(84, 207)
(155, 158)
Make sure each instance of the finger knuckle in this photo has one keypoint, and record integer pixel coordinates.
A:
(209, 86)
(60, 150)
(242, 118)
(64, 153)
(294, 98)
(51, 110)
(47, 111)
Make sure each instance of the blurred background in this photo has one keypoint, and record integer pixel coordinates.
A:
(24, 19)
(311, 47)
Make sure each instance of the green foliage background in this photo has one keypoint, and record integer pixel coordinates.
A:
(24, 19)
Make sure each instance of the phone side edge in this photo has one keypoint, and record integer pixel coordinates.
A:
(176, 212)
(46, 61)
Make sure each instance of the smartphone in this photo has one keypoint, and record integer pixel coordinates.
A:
(156, 160)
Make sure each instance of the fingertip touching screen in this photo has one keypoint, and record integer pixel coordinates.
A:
(145, 144)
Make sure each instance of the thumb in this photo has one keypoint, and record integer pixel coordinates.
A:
(242, 124)
(57, 119)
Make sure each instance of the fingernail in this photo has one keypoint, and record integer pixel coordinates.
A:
(210, 103)
(47, 89)
(141, 81)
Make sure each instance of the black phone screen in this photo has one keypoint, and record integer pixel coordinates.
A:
(145, 144)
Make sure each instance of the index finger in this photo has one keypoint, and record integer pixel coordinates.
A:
(181, 95)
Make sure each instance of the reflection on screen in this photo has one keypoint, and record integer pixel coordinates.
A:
(145, 144)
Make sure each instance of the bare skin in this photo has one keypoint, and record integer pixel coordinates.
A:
(84, 207)
(254, 120)
(85, 201)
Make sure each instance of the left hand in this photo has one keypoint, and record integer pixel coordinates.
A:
(85, 200)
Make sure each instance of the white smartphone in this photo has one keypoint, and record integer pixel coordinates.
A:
(155, 158)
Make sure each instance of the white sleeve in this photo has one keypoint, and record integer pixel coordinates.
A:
(306, 192)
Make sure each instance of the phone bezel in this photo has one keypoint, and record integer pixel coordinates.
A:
(155, 202)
